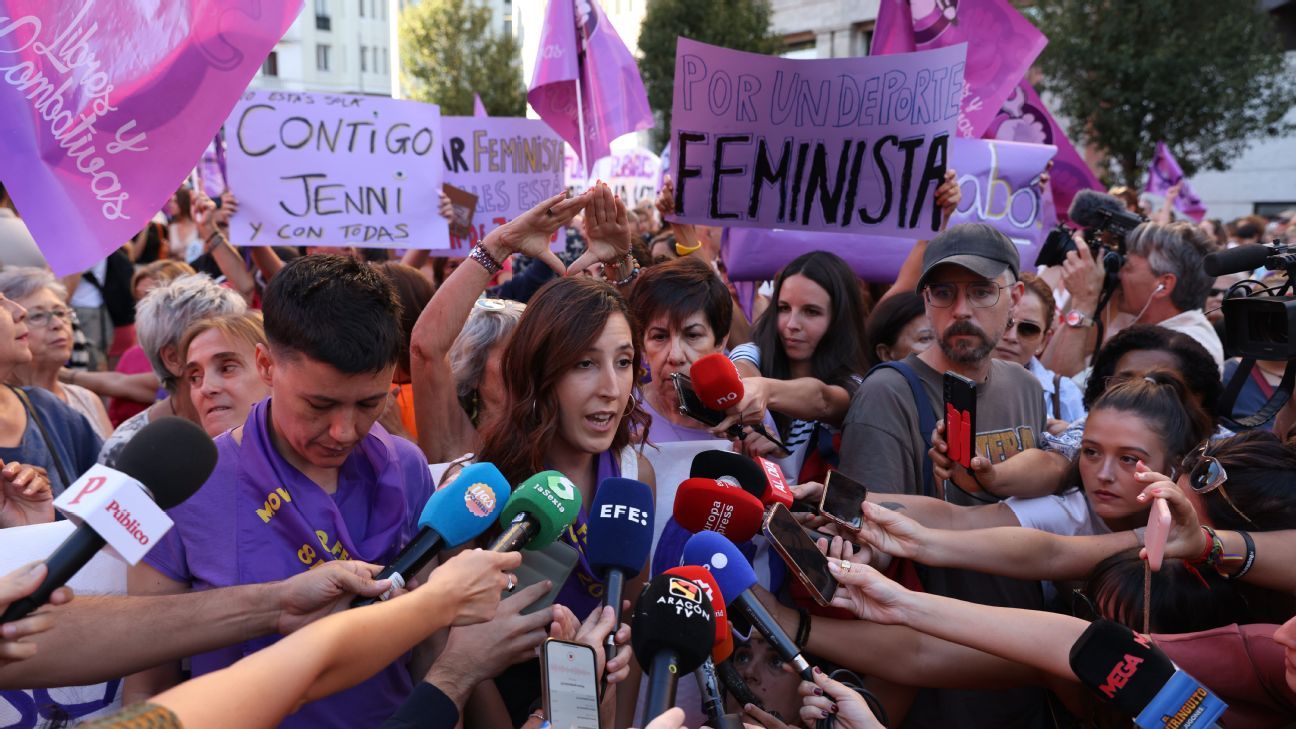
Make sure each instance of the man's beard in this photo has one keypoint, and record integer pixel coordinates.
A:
(965, 355)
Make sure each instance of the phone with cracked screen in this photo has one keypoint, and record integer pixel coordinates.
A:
(569, 685)
(798, 550)
(841, 498)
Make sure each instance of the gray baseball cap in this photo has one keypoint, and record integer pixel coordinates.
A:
(978, 247)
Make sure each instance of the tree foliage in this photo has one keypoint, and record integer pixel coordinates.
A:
(449, 51)
(1206, 76)
(743, 25)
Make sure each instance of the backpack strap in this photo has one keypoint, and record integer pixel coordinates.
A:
(926, 417)
(40, 425)
(1057, 395)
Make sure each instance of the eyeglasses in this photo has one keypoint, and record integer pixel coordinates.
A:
(1026, 329)
(1206, 474)
(980, 294)
(45, 317)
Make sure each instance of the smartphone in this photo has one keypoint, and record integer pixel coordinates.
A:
(960, 418)
(554, 563)
(569, 685)
(798, 550)
(841, 499)
(691, 405)
(1158, 531)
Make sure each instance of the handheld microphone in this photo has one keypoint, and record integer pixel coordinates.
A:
(170, 458)
(1243, 259)
(672, 631)
(1093, 209)
(538, 511)
(736, 577)
(619, 538)
(454, 514)
(719, 386)
(708, 683)
(705, 504)
(758, 477)
(1125, 668)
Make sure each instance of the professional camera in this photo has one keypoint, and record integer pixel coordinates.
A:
(1105, 223)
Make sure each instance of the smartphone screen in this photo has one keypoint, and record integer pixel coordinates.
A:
(841, 499)
(569, 684)
(691, 405)
(798, 550)
(960, 418)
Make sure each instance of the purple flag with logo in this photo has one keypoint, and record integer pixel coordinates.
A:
(106, 106)
(479, 109)
(1001, 47)
(579, 46)
(1164, 174)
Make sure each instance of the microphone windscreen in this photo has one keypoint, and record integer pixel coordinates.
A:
(732, 468)
(620, 526)
(705, 504)
(1120, 665)
(1242, 259)
(673, 614)
(716, 381)
(703, 578)
(172, 457)
(464, 508)
(551, 499)
(731, 570)
(1087, 205)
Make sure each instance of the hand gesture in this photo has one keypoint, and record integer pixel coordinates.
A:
(867, 594)
(892, 533)
(666, 197)
(1186, 539)
(1082, 276)
(306, 597)
(948, 196)
(606, 230)
(476, 578)
(445, 208)
(750, 408)
(484, 650)
(529, 233)
(228, 206)
(945, 469)
(14, 586)
(201, 209)
(593, 633)
(840, 550)
(1043, 180)
(826, 697)
(25, 495)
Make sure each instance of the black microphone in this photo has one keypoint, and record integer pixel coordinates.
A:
(170, 456)
(671, 632)
(1093, 209)
(619, 538)
(1243, 259)
(1125, 668)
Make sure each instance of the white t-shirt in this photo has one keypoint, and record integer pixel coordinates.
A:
(1067, 515)
(1195, 324)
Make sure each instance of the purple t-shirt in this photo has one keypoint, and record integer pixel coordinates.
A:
(202, 550)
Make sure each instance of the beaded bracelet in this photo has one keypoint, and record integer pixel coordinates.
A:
(487, 262)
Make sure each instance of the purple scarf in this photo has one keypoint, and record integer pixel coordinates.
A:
(583, 591)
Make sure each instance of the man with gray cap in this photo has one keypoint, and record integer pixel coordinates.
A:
(969, 283)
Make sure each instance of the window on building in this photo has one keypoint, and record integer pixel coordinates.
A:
(799, 45)
(361, 7)
(322, 19)
(270, 67)
(322, 54)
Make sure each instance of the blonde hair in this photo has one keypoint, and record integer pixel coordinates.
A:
(164, 272)
(247, 327)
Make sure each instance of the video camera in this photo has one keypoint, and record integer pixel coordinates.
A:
(1105, 222)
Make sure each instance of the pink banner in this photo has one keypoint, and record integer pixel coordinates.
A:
(106, 106)
(1164, 174)
(1002, 45)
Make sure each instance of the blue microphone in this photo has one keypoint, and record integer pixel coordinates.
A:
(736, 577)
(454, 514)
(619, 538)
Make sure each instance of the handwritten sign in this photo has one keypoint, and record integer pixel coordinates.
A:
(855, 145)
(333, 170)
(510, 164)
(633, 174)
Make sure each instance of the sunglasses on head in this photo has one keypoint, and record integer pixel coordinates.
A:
(1206, 474)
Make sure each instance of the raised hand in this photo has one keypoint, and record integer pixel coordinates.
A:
(1186, 539)
(867, 594)
(948, 196)
(606, 230)
(892, 533)
(529, 233)
(476, 578)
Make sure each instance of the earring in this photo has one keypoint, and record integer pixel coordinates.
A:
(1011, 324)
(631, 404)
(534, 415)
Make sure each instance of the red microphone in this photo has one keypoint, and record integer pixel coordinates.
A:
(777, 490)
(716, 381)
(705, 504)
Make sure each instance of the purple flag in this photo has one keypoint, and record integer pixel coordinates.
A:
(1024, 118)
(479, 109)
(611, 95)
(1164, 174)
(1001, 47)
(106, 106)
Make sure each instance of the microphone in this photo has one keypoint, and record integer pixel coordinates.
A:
(454, 514)
(760, 478)
(1093, 209)
(619, 538)
(719, 386)
(708, 683)
(736, 577)
(705, 504)
(1243, 259)
(1126, 669)
(164, 464)
(671, 632)
(538, 511)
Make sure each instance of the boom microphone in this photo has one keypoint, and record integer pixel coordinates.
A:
(719, 386)
(1126, 669)
(619, 538)
(672, 631)
(708, 683)
(164, 464)
(538, 511)
(705, 504)
(1243, 259)
(1093, 209)
(454, 514)
(736, 577)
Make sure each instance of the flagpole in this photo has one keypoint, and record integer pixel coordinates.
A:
(580, 101)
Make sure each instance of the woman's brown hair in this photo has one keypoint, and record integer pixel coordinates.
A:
(560, 323)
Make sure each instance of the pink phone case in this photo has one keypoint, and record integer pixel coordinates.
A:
(1158, 530)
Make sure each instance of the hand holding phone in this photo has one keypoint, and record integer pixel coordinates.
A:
(799, 551)
(569, 685)
(1158, 531)
(840, 500)
(960, 418)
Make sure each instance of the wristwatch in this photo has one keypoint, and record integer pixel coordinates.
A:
(1077, 319)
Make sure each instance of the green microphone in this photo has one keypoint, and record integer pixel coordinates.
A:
(540, 508)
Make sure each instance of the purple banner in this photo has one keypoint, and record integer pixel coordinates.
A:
(479, 109)
(853, 145)
(106, 106)
(335, 170)
(1164, 174)
(1002, 45)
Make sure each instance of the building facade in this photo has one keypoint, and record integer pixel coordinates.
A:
(342, 46)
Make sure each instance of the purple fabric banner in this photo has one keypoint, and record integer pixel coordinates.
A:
(1002, 45)
(1164, 174)
(853, 145)
(1024, 118)
(106, 106)
(211, 171)
(479, 109)
(578, 45)
(335, 170)
(1000, 186)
